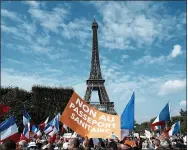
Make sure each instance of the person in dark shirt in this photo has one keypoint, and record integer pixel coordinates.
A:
(8, 145)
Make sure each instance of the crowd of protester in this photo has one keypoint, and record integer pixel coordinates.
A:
(78, 143)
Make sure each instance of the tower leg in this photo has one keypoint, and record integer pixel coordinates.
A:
(103, 96)
(87, 96)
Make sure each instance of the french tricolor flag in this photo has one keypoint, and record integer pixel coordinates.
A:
(9, 130)
(26, 118)
(49, 126)
(175, 129)
(64, 128)
(163, 116)
(25, 135)
(55, 127)
(34, 129)
(156, 128)
(43, 125)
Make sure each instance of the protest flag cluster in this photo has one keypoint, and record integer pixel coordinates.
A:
(86, 121)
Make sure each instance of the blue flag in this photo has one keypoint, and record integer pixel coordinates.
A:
(175, 128)
(163, 116)
(127, 117)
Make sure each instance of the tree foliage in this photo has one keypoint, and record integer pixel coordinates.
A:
(40, 102)
(48, 101)
(14, 98)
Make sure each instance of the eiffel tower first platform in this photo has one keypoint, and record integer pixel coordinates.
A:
(95, 81)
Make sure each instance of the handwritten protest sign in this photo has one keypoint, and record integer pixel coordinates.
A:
(88, 121)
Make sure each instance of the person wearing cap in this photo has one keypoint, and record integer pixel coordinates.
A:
(32, 146)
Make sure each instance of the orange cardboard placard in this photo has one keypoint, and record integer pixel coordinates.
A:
(131, 143)
(88, 121)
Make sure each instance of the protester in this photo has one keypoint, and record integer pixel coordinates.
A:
(8, 145)
(51, 138)
(22, 145)
(74, 144)
(112, 146)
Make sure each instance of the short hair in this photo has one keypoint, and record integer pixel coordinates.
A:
(112, 145)
(9, 145)
(76, 143)
(157, 142)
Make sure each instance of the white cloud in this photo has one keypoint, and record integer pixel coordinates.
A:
(183, 103)
(15, 61)
(43, 39)
(124, 57)
(18, 47)
(11, 15)
(159, 60)
(11, 77)
(51, 20)
(149, 60)
(176, 51)
(34, 4)
(74, 29)
(127, 22)
(54, 21)
(59, 42)
(18, 32)
(172, 86)
(28, 28)
(41, 49)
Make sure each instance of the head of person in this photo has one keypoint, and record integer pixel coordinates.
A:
(112, 146)
(22, 144)
(157, 142)
(91, 144)
(32, 146)
(8, 145)
(74, 143)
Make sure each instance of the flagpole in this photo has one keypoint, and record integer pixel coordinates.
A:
(134, 106)
(180, 129)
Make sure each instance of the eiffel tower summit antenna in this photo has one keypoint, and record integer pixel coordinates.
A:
(95, 81)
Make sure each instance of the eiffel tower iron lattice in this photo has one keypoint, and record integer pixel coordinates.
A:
(95, 81)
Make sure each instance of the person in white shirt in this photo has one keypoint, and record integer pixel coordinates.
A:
(185, 139)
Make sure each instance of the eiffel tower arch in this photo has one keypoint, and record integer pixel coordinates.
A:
(95, 81)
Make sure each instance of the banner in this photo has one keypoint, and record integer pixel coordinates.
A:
(88, 121)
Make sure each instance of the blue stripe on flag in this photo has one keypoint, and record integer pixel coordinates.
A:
(127, 117)
(7, 123)
(26, 129)
(176, 128)
(165, 113)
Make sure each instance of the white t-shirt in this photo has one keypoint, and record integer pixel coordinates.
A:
(185, 140)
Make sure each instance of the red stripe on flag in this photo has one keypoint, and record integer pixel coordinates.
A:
(161, 123)
(15, 137)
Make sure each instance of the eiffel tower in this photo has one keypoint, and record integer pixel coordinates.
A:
(95, 81)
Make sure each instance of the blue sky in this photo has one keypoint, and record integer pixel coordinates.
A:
(142, 48)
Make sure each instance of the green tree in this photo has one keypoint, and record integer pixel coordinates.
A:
(40, 102)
